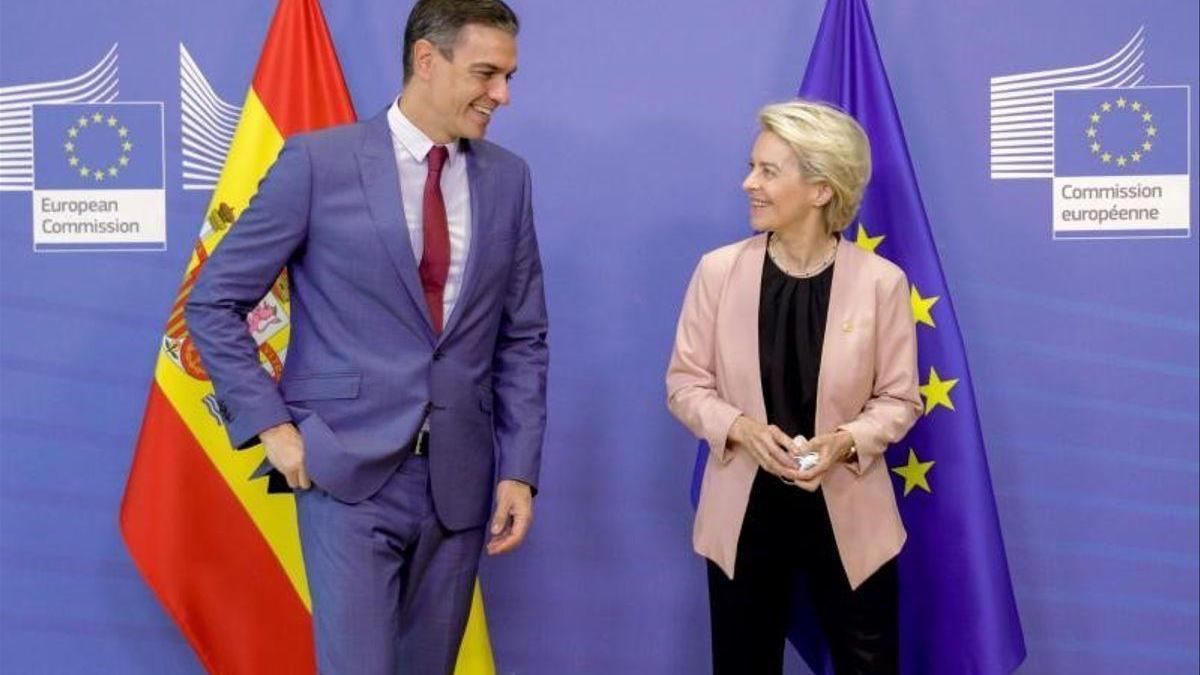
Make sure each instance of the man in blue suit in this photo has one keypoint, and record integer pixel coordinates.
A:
(416, 372)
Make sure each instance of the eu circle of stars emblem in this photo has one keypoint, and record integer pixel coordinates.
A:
(1109, 110)
(103, 133)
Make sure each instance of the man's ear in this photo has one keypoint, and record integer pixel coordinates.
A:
(422, 58)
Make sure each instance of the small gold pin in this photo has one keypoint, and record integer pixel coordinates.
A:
(847, 326)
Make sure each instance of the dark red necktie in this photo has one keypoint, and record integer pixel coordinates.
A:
(435, 258)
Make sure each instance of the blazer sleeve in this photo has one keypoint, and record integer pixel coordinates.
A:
(691, 375)
(895, 403)
(233, 280)
(522, 358)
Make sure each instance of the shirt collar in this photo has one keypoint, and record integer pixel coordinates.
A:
(412, 139)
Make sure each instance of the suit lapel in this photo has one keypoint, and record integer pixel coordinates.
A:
(479, 181)
(381, 184)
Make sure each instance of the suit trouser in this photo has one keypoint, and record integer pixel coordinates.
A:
(391, 588)
(786, 532)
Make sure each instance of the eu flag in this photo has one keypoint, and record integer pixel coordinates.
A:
(957, 611)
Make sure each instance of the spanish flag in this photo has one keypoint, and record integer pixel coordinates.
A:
(220, 551)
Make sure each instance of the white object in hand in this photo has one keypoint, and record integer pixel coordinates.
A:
(807, 460)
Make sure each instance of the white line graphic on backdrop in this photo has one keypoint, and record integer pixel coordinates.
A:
(97, 85)
(208, 126)
(1022, 108)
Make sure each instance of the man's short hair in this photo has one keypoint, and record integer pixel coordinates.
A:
(440, 22)
(831, 148)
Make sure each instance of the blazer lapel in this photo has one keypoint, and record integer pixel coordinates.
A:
(381, 184)
(739, 317)
(841, 300)
(479, 181)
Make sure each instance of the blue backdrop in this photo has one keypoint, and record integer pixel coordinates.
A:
(636, 119)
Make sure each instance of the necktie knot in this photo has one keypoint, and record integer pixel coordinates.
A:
(437, 158)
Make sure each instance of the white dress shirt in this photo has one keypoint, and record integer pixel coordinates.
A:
(411, 146)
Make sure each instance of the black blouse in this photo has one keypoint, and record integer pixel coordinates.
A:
(791, 327)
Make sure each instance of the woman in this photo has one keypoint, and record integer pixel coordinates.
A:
(795, 332)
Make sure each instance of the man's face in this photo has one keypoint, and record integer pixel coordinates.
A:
(466, 90)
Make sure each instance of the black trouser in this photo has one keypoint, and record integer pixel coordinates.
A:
(787, 532)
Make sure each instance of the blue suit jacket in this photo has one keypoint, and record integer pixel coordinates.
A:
(364, 366)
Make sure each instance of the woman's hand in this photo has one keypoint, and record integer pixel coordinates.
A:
(831, 449)
(768, 445)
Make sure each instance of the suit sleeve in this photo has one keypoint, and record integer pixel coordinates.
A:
(522, 358)
(691, 376)
(234, 279)
(895, 403)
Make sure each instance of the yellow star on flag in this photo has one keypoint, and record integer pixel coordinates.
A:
(1121, 102)
(83, 121)
(1146, 116)
(921, 307)
(112, 121)
(97, 117)
(1146, 146)
(1091, 132)
(84, 171)
(1137, 156)
(1106, 157)
(127, 146)
(914, 473)
(1095, 117)
(122, 132)
(937, 391)
(1095, 148)
(1121, 160)
(1137, 105)
(865, 241)
(1151, 131)
(1106, 106)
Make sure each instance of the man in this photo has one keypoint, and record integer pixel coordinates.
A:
(416, 372)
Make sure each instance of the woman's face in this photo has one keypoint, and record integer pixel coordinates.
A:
(779, 195)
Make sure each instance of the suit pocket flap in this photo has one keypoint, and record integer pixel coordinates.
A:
(321, 387)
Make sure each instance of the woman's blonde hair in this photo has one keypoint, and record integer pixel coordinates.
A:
(831, 148)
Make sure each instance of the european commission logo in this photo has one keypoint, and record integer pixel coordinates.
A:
(98, 176)
(99, 163)
(1121, 162)
(93, 166)
(1116, 150)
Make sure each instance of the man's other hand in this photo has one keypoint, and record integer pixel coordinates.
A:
(512, 518)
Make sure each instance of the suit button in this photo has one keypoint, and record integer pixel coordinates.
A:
(437, 355)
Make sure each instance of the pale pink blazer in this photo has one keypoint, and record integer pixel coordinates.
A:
(867, 386)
